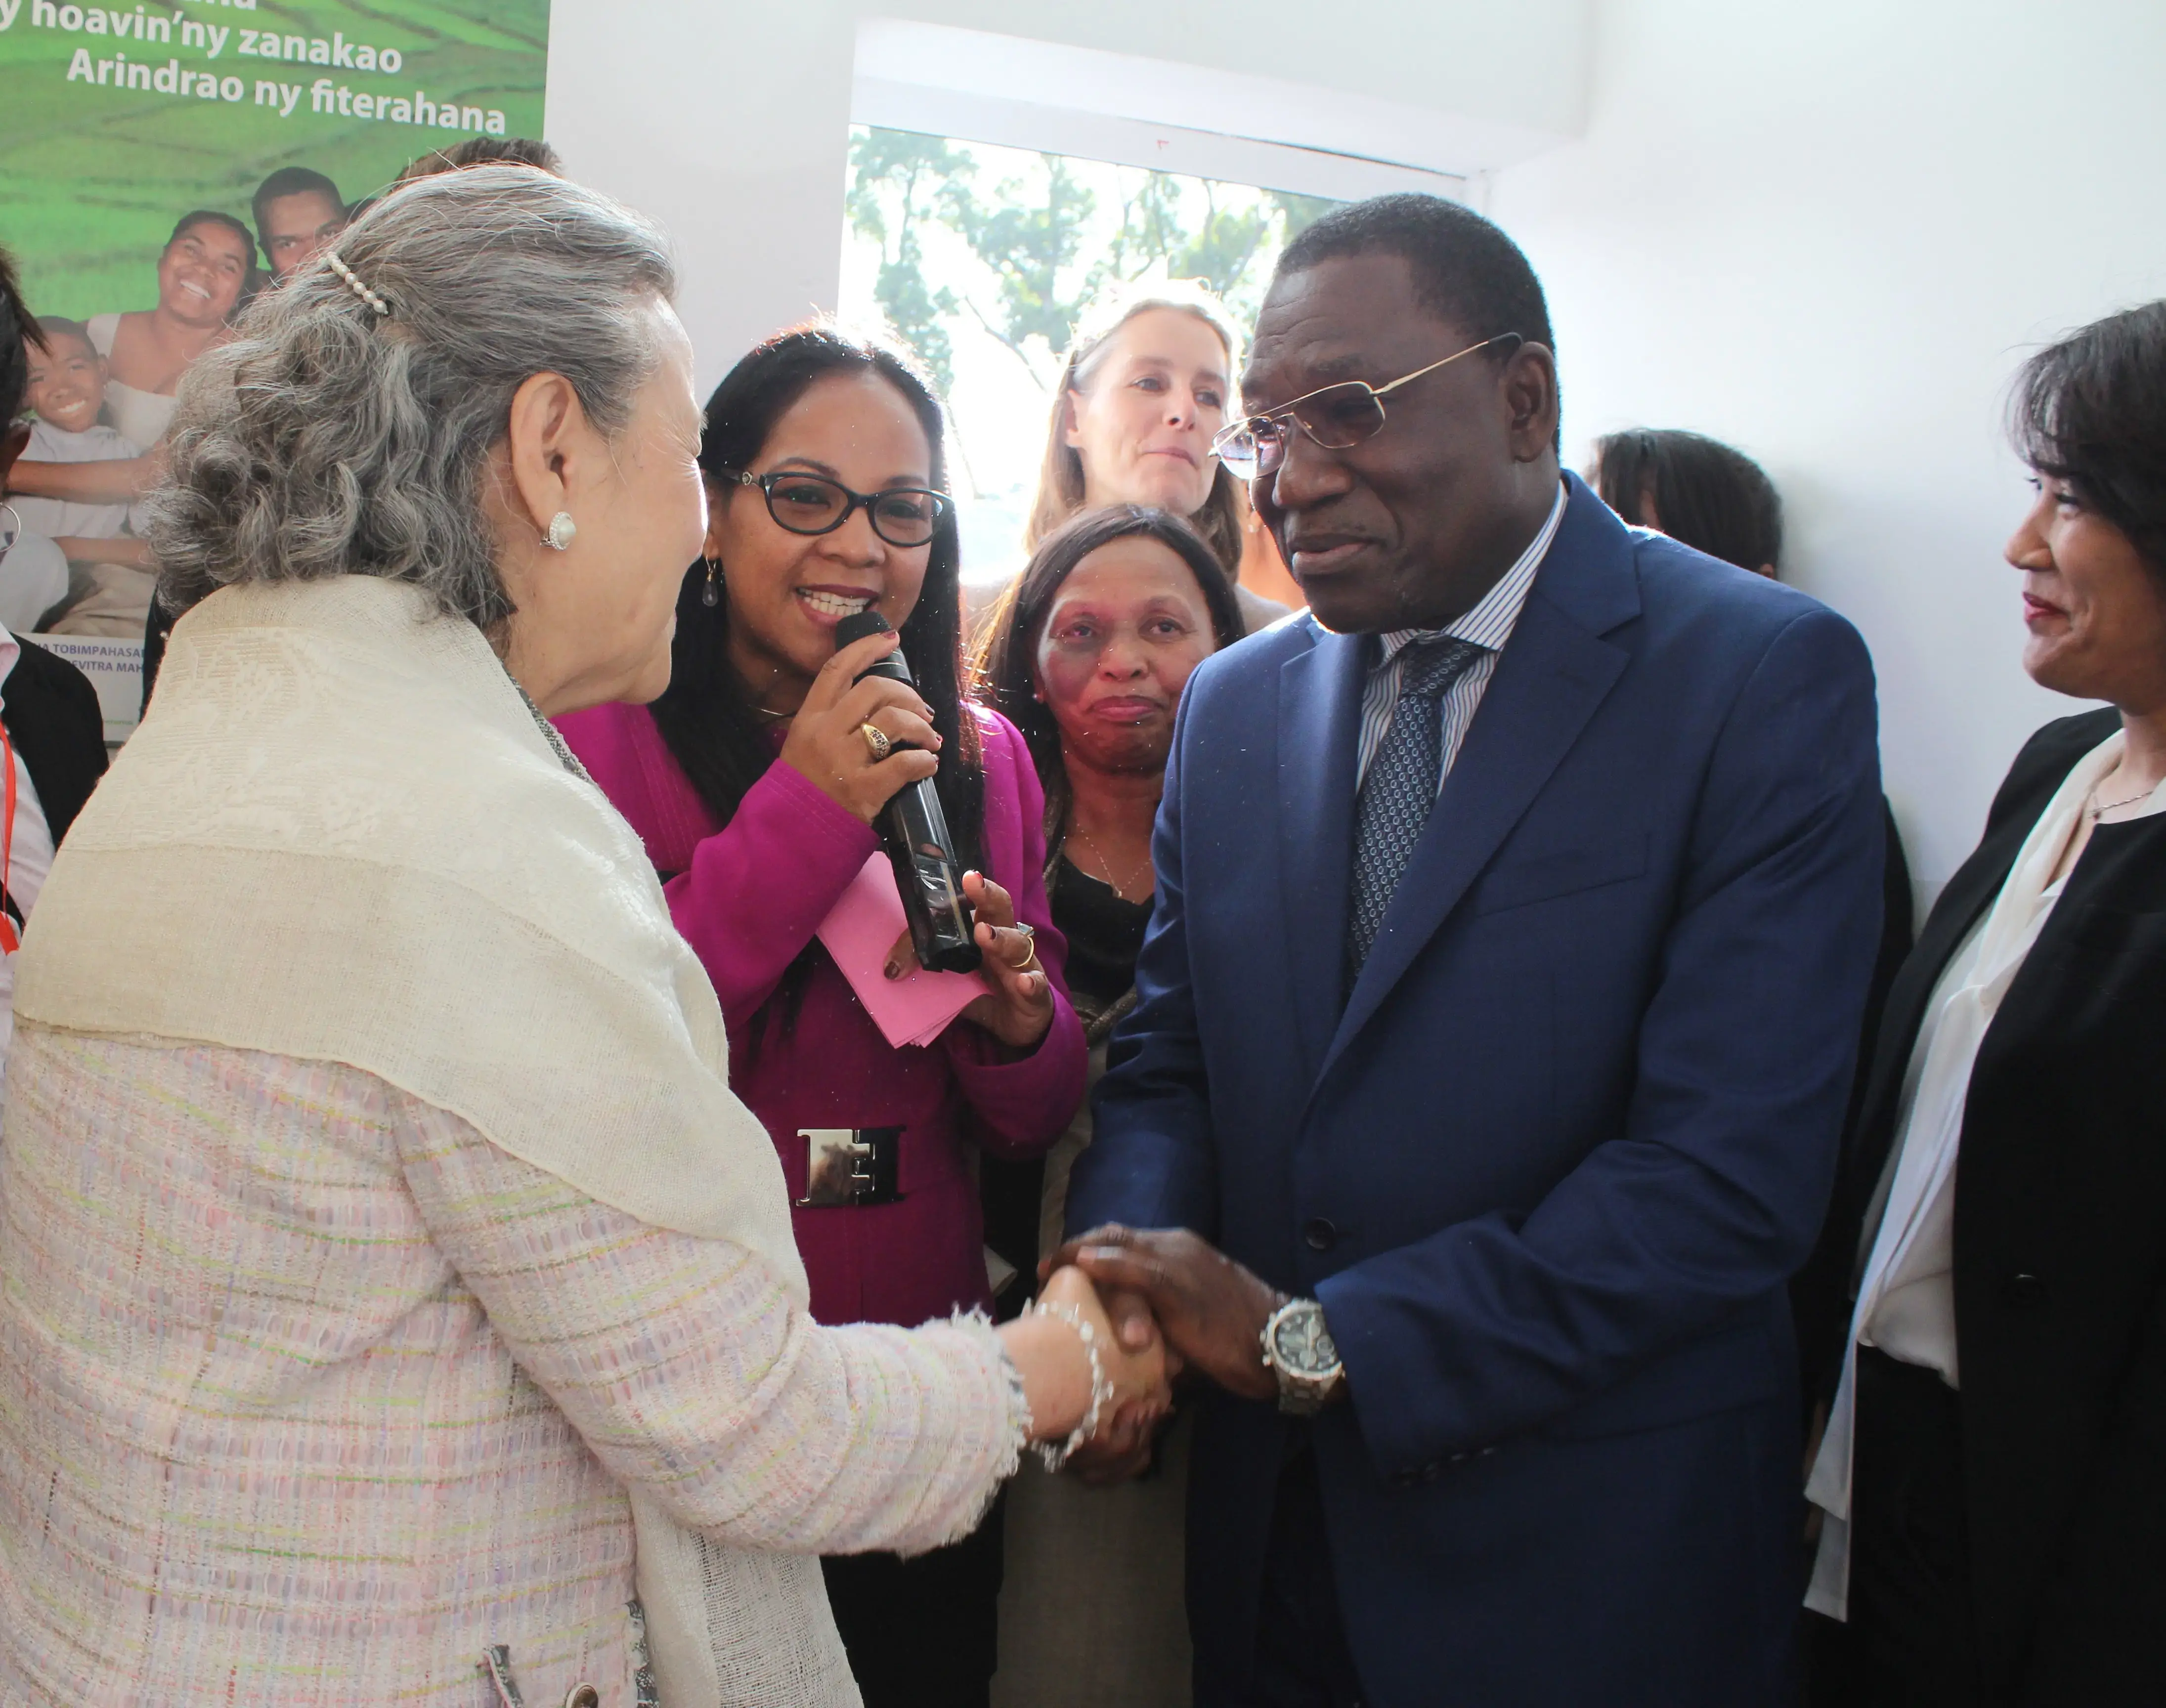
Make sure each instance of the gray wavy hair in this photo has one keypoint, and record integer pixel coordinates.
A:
(327, 439)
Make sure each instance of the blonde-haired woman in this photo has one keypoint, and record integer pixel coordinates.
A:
(1149, 380)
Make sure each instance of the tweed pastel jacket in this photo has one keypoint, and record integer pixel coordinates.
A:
(309, 1394)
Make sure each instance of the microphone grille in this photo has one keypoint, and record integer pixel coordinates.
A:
(855, 627)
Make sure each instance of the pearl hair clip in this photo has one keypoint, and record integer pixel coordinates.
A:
(354, 284)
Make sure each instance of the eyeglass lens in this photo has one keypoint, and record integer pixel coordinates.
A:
(807, 504)
(1336, 418)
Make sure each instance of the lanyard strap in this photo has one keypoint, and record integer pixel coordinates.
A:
(11, 939)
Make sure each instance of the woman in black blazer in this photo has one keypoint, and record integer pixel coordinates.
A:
(1995, 1470)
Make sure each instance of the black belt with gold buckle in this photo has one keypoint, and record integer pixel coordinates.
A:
(850, 1167)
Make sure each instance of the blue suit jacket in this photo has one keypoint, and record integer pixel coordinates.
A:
(1550, 1163)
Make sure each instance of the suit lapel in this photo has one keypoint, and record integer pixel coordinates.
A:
(1964, 899)
(1319, 727)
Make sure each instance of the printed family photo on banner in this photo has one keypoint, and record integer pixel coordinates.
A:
(164, 172)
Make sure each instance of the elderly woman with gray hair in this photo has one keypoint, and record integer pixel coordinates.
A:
(399, 1306)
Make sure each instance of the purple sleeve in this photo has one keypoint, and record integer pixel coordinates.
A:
(757, 889)
(1022, 1102)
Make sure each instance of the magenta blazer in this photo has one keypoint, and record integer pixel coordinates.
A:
(748, 896)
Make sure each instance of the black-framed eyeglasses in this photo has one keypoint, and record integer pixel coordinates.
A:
(812, 504)
(1337, 417)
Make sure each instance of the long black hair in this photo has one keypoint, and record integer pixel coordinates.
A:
(2091, 410)
(706, 716)
(1007, 655)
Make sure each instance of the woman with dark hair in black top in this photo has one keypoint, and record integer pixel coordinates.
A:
(1993, 1472)
(1088, 655)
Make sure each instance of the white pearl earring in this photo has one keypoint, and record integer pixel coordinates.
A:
(562, 531)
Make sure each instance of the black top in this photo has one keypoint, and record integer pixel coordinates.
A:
(2060, 1250)
(1105, 933)
(52, 716)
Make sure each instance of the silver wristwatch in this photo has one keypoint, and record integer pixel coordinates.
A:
(1299, 1351)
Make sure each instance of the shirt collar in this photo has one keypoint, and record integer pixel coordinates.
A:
(1490, 623)
(11, 649)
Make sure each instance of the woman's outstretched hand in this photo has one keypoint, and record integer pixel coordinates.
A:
(1019, 1007)
(1142, 1375)
(827, 742)
(1056, 1369)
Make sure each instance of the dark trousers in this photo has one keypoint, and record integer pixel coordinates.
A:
(922, 1632)
(1302, 1657)
(1911, 1641)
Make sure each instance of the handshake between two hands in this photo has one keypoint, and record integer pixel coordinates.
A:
(1164, 1301)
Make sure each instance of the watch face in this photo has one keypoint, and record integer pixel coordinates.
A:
(1302, 1344)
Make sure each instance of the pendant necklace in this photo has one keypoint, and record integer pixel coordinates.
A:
(1099, 855)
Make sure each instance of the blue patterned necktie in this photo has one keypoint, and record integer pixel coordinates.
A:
(1402, 786)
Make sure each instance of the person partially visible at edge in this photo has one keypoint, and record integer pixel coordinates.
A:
(1149, 381)
(1116, 610)
(202, 272)
(1439, 1037)
(452, 1263)
(1716, 499)
(299, 215)
(755, 783)
(485, 151)
(56, 735)
(1994, 1472)
(1711, 495)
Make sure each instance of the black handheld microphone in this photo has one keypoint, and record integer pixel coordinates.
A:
(914, 832)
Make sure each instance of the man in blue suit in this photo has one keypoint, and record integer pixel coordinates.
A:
(1516, 911)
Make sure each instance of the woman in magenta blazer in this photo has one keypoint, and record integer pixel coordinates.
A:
(755, 785)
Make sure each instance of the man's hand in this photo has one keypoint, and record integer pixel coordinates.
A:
(1210, 1310)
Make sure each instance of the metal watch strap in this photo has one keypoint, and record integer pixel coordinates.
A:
(1299, 1395)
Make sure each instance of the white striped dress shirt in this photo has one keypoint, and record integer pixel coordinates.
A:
(1488, 626)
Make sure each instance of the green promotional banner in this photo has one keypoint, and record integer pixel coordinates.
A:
(114, 121)
(160, 166)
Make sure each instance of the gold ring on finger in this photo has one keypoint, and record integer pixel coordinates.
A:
(876, 741)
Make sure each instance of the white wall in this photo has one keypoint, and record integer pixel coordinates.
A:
(729, 121)
(1828, 233)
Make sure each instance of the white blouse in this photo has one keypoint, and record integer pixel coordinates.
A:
(1906, 1293)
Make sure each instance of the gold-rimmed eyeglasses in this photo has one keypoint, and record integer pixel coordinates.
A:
(1336, 417)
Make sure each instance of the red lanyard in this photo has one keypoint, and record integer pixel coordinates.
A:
(11, 940)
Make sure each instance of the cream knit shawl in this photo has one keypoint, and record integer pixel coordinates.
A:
(342, 834)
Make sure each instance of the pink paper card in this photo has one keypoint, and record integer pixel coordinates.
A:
(859, 930)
